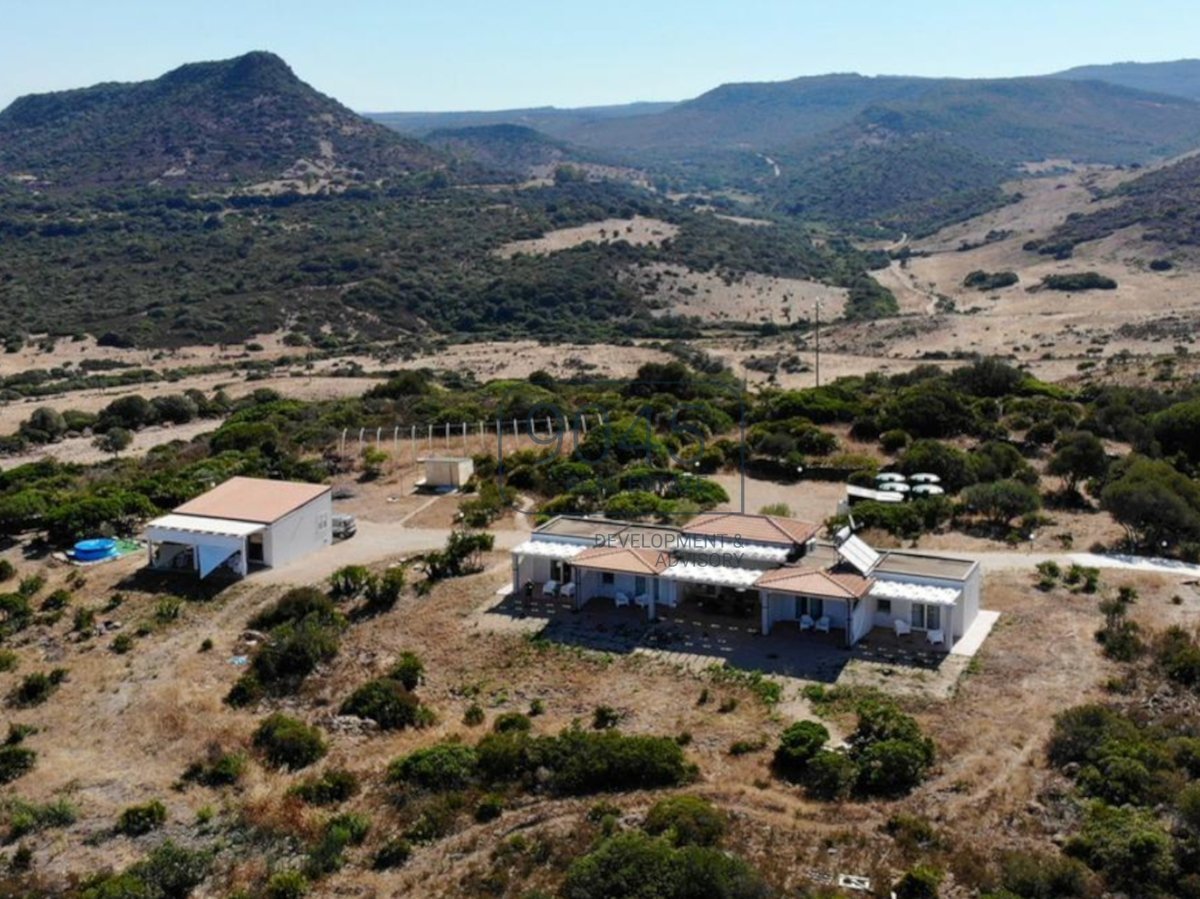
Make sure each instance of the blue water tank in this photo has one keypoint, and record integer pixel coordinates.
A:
(95, 549)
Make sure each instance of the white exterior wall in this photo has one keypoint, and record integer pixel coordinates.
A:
(970, 599)
(955, 619)
(300, 532)
(448, 472)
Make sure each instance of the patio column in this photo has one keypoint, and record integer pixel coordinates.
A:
(244, 561)
(764, 608)
(516, 574)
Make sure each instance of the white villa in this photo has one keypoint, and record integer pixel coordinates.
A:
(772, 569)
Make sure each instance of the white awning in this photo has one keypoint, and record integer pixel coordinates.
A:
(717, 575)
(199, 524)
(722, 546)
(937, 596)
(544, 549)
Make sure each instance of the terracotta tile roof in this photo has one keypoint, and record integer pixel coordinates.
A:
(623, 560)
(253, 499)
(752, 528)
(815, 582)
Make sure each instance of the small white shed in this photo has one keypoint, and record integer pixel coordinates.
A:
(447, 471)
(240, 524)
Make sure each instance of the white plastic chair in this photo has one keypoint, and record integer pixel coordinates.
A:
(550, 588)
(568, 590)
(642, 600)
(901, 627)
(621, 600)
(936, 637)
(822, 624)
(806, 623)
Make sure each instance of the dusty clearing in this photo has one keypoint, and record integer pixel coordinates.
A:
(718, 298)
(638, 231)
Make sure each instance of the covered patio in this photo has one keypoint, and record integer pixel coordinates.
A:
(203, 545)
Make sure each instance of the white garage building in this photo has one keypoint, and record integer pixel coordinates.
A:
(242, 524)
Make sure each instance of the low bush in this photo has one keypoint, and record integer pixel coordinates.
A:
(392, 854)
(329, 788)
(490, 807)
(921, 882)
(217, 768)
(14, 761)
(289, 743)
(25, 818)
(636, 865)
(35, 688)
(409, 670)
(686, 821)
(287, 885)
(797, 747)
(137, 820)
(385, 701)
(577, 762)
(446, 766)
(511, 722)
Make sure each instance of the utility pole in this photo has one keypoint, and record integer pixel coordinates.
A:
(817, 305)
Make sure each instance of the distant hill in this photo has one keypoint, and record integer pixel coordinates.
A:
(1164, 204)
(754, 115)
(548, 119)
(508, 148)
(898, 182)
(237, 120)
(1022, 119)
(1015, 119)
(1180, 78)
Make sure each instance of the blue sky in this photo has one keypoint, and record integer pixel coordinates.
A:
(468, 54)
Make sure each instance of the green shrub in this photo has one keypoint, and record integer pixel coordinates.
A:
(1077, 281)
(8, 660)
(1128, 846)
(637, 866)
(217, 769)
(296, 605)
(473, 716)
(287, 885)
(830, 775)
(605, 716)
(490, 807)
(686, 821)
(797, 746)
(35, 688)
(383, 591)
(122, 644)
(511, 722)
(409, 670)
(289, 743)
(7, 571)
(891, 767)
(14, 761)
(1044, 876)
(393, 854)
(921, 882)
(386, 702)
(137, 820)
(349, 581)
(25, 818)
(291, 653)
(445, 766)
(329, 788)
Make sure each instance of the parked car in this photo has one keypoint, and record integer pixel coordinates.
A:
(344, 527)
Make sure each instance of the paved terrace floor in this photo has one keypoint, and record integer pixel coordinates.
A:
(697, 641)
